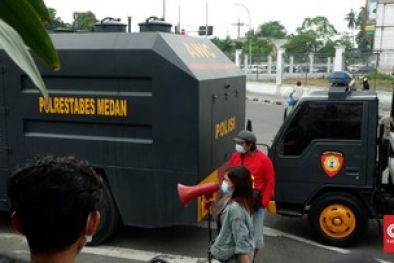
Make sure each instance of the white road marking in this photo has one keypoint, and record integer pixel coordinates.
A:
(140, 255)
(145, 256)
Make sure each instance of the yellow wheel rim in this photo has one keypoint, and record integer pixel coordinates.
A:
(337, 221)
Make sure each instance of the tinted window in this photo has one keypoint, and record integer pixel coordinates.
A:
(322, 121)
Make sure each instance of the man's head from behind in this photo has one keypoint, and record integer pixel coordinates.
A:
(54, 203)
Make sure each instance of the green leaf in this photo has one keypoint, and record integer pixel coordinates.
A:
(14, 46)
(20, 15)
(41, 10)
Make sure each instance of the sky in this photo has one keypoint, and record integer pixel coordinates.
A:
(221, 14)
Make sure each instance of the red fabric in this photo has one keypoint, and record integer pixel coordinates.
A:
(262, 171)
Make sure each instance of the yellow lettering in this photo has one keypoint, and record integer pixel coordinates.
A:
(66, 105)
(92, 107)
(76, 106)
(191, 50)
(225, 127)
(41, 104)
(100, 106)
(72, 105)
(88, 106)
(111, 107)
(202, 50)
(208, 51)
(123, 108)
(61, 105)
(55, 105)
(106, 107)
(81, 106)
(199, 50)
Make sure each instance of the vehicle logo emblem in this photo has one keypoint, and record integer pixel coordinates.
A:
(331, 163)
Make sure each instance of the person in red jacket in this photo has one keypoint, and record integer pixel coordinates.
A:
(263, 176)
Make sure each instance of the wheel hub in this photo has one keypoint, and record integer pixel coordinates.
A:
(337, 221)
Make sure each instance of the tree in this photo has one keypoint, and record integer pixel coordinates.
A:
(319, 26)
(227, 45)
(350, 18)
(304, 42)
(360, 18)
(273, 29)
(329, 48)
(84, 20)
(365, 45)
(56, 22)
(20, 28)
(261, 48)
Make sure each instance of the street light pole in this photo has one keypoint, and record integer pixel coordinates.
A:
(164, 10)
(354, 28)
(250, 32)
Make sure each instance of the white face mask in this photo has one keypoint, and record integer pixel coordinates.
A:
(225, 188)
(239, 148)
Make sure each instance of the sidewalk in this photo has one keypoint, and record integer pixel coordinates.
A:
(267, 92)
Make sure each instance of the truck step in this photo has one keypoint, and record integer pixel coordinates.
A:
(291, 213)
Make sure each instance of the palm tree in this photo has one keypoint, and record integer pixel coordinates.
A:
(351, 19)
(360, 18)
(351, 23)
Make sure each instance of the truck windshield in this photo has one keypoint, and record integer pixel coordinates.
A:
(313, 121)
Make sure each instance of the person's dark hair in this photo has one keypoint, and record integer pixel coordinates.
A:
(253, 146)
(52, 198)
(298, 83)
(241, 180)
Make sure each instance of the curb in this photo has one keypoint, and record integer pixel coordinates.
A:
(266, 99)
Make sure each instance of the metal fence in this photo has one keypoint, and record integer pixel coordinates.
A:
(297, 65)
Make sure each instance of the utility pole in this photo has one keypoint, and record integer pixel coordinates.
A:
(354, 27)
(179, 18)
(164, 10)
(206, 19)
(238, 25)
(250, 32)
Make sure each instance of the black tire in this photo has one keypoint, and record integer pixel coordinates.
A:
(109, 221)
(338, 219)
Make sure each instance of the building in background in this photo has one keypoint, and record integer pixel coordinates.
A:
(384, 34)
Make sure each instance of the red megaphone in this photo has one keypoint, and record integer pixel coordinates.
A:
(187, 193)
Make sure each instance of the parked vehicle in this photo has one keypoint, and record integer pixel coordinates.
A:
(148, 110)
(366, 69)
(328, 166)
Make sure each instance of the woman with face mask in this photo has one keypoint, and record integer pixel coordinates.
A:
(263, 179)
(234, 244)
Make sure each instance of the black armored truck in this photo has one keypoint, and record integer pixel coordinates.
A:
(328, 164)
(148, 110)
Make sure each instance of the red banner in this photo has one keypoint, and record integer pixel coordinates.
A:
(388, 235)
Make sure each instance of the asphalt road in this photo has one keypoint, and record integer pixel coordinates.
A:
(287, 239)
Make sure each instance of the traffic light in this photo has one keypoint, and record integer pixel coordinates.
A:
(202, 31)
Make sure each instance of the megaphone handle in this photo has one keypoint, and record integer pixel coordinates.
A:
(209, 236)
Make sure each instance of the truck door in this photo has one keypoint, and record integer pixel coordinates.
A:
(4, 168)
(322, 144)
